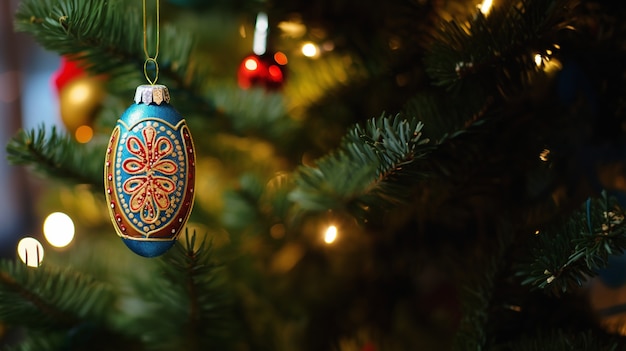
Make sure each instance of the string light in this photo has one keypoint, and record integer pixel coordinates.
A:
(544, 155)
(485, 7)
(538, 60)
(58, 228)
(251, 64)
(30, 251)
(548, 63)
(309, 49)
(330, 235)
(292, 28)
(259, 41)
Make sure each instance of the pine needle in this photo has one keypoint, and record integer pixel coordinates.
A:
(58, 156)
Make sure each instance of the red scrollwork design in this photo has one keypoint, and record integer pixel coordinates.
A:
(149, 186)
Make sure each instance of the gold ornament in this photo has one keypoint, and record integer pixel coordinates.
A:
(79, 101)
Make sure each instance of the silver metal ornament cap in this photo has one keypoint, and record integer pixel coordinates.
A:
(149, 94)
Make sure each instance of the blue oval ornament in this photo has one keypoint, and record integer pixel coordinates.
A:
(149, 173)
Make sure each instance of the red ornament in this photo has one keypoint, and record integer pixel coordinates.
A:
(267, 70)
(68, 71)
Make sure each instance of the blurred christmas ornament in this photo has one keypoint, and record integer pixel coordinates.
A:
(68, 71)
(79, 101)
(262, 68)
(80, 98)
(150, 173)
(265, 70)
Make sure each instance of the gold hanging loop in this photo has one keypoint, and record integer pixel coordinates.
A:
(151, 59)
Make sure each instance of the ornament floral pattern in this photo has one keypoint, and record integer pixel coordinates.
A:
(149, 186)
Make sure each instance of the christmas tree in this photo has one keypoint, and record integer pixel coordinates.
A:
(400, 175)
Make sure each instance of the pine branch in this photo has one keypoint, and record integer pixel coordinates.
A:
(94, 30)
(105, 36)
(476, 296)
(58, 156)
(443, 114)
(50, 298)
(374, 164)
(501, 45)
(578, 248)
(189, 299)
(256, 112)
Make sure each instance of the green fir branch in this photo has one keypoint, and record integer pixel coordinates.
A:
(478, 294)
(50, 298)
(256, 112)
(472, 331)
(56, 155)
(105, 36)
(496, 50)
(189, 299)
(374, 164)
(104, 33)
(579, 247)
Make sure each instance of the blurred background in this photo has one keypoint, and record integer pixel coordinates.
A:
(370, 275)
(26, 100)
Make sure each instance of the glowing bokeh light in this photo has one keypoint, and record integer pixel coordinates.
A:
(485, 7)
(251, 64)
(275, 72)
(331, 234)
(280, 58)
(30, 251)
(544, 155)
(83, 134)
(259, 42)
(58, 228)
(309, 50)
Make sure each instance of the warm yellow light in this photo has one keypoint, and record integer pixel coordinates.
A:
(251, 64)
(331, 234)
(80, 93)
(309, 50)
(30, 251)
(544, 155)
(485, 7)
(552, 66)
(538, 59)
(58, 228)
(293, 28)
(83, 134)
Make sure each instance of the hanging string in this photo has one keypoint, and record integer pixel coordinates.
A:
(151, 59)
